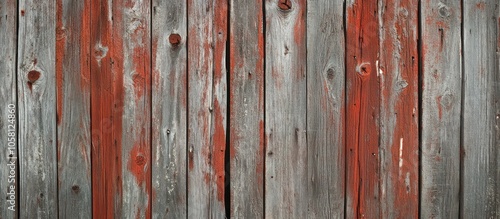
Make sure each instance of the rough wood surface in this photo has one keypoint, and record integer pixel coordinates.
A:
(397, 70)
(440, 114)
(207, 26)
(481, 110)
(285, 110)
(73, 108)
(8, 153)
(169, 107)
(36, 84)
(247, 109)
(362, 116)
(107, 96)
(325, 109)
(136, 113)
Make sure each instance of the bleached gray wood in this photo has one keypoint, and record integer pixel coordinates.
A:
(206, 108)
(441, 63)
(135, 32)
(8, 37)
(37, 109)
(481, 141)
(169, 110)
(73, 128)
(247, 109)
(325, 109)
(285, 111)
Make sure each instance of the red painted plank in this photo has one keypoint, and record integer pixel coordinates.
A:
(398, 75)
(106, 108)
(363, 101)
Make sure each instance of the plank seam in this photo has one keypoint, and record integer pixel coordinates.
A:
(462, 105)
(18, 166)
(227, 163)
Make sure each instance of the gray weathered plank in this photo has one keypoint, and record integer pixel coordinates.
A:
(8, 152)
(397, 71)
(247, 109)
(169, 93)
(133, 21)
(285, 110)
(325, 108)
(73, 108)
(441, 98)
(481, 108)
(207, 108)
(37, 109)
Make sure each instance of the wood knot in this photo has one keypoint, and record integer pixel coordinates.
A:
(285, 5)
(444, 11)
(364, 69)
(330, 74)
(33, 76)
(22, 13)
(174, 39)
(76, 189)
(140, 160)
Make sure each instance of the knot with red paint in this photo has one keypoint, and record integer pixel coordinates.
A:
(364, 69)
(174, 39)
(140, 160)
(33, 76)
(285, 5)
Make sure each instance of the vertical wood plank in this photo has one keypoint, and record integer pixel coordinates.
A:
(325, 108)
(106, 107)
(441, 104)
(481, 176)
(397, 70)
(362, 116)
(285, 109)
(8, 153)
(121, 108)
(207, 26)
(169, 92)
(73, 108)
(37, 109)
(135, 17)
(247, 109)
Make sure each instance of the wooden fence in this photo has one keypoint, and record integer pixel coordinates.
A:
(250, 109)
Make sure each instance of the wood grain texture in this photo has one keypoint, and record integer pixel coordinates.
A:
(169, 127)
(8, 95)
(207, 92)
(247, 109)
(363, 110)
(107, 96)
(397, 71)
(481, 110)
(73, 108)
(441, 63)
(285, 110)
(121, 109)
(36, 83)
(136, 113)
(325, 109)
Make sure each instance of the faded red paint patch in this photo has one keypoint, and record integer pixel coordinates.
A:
(219, 148)
(480, 5)
(138, 163)
(22, 13)
(299, 30)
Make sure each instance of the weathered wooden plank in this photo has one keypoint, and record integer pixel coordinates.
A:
(37, 109)
(169, 96)
(73, 108)
(285, 110)
(362, 116)
(441, 98)
(121, 109)
(106, 106)
(247, 109)
(481, 108)
(136, 114)
(325, 108)
(207, 25)
(397, 70)
(8, 111)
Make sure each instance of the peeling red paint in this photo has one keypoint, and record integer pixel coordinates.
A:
(60, 48)
(218, 154)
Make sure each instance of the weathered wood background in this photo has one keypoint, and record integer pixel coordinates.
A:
(250, 109)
